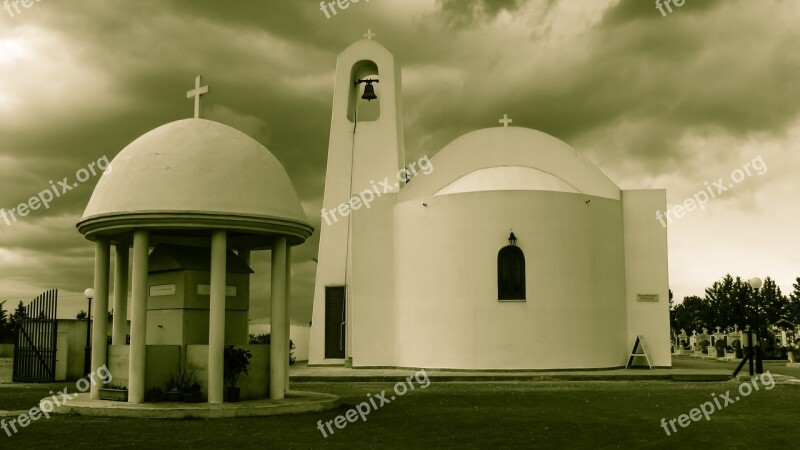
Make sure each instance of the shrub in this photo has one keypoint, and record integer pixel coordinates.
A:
(236, 362)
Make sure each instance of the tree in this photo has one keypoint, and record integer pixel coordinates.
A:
(692, 314)
(6, 333)
(672, 322)
(81, 315)
(19, 314)
(730, 302)
(772, 303)
(793, 305)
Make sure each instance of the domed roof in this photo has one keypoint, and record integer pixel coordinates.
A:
(511, 158)
(196, 173)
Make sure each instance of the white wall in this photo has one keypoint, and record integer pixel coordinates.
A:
(447, 312)
(300, 335)
(647, 272)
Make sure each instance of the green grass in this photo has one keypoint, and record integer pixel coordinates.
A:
(458, 415)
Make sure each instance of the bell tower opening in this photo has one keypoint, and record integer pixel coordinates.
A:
(360, 109)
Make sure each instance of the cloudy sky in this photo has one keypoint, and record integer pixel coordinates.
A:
(673, 102)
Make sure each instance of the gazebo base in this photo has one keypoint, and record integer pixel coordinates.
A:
(296, 402)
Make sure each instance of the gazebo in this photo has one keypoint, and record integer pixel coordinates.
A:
(196, 184)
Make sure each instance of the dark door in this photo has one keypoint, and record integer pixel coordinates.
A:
(334, 321)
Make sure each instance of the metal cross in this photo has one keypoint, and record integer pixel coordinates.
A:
(505, 121)
(196, 93)
(369, 35)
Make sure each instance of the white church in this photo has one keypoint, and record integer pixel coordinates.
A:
(514, 252)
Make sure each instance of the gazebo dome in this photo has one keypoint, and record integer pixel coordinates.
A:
(196, 174)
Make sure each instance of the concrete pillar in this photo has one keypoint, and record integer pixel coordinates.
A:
(288, 312)
(216, 319)
(120, 326)
(102, 259)
(278, 352)
(138, 348)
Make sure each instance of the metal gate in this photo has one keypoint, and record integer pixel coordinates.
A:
(35, 346)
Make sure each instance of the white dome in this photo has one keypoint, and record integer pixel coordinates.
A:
(512, 158)
(188, 171)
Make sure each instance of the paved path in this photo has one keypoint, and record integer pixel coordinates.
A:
(689, 363)
(303, 373)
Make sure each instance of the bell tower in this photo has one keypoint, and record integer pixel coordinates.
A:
(365, 148)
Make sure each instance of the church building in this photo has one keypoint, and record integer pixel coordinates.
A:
(512, 252)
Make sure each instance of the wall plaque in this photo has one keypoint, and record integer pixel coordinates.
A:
(205, 289)
(162, 290)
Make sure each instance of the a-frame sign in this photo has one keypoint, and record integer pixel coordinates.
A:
(636, 345)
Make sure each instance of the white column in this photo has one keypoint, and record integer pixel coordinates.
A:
(120, 326)
(100, 310)
(216, 319)
(288, 313)
(278, 352)
(138, 348)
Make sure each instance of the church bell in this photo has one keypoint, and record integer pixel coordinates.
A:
(369, 93)
(369, 90)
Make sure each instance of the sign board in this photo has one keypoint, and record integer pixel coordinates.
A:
(639, 345)
(204, 289)
(162, 290)
(647, 297)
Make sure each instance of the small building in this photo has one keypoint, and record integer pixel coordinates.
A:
(203, 196)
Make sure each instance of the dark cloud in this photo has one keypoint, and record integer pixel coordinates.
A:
(634, 10)
(464, 12)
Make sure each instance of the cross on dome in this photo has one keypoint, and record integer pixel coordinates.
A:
(369, 34)
(505, 121)
(196, 93)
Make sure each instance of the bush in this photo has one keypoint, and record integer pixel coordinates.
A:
(264, 339)
(236, 362)
(180, 382)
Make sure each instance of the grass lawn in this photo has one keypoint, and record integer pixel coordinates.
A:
(458, 415)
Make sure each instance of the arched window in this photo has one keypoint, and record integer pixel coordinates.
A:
(511, 271)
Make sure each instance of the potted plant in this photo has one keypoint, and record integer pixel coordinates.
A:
(193, 394)
(236, 362)
(115, 393)
(154, 395)
(177, 384)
